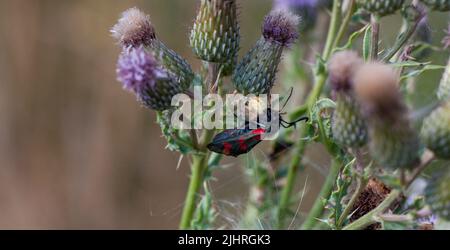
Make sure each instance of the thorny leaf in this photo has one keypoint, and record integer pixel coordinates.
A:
(353, 37)
(418, 72)
(410, 64)
(336, 202)
(367, 43)
(395, 225)
(205, 213)
(323, 122)
(177, 140)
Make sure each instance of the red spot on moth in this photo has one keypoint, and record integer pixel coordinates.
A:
(227, 148)
(243, 147)
(258, 131)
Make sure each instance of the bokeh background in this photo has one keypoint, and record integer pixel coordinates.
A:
(76, 151)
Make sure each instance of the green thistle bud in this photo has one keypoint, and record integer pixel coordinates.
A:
(444, 87)
(348, 126)
(436, 131)
(393, 141)
(441, 5)
(134, 30)
(215, 34)
(381, 7)
(173, 62)
(228, 67)
(256, 73)
(349, 129)
(437, 193)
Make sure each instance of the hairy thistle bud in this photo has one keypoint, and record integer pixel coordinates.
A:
(441, 5)
(393, 141)
(256, 73)
(436, 131)
(215, 34)
(444, 86)
(134, 30)
(306, 9)
(437, 193)
(381, 7)
(348, 126)
(141, 73)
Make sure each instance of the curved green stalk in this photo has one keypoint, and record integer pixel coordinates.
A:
(197, 169)
(375, 24)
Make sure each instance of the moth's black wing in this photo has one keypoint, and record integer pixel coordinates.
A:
(234, 142)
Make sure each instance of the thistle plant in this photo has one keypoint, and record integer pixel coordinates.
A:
(394, 142)
(215, 34)
(153, 85)
(359, 109)
(306, 9)
(348, 127)
(436, 131)
(256, 73)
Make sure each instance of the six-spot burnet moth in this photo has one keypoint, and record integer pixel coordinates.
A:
(235, 142)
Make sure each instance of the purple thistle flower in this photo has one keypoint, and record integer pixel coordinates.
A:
(306, 9)
(153, 85)
(280, 27)
(138, 70)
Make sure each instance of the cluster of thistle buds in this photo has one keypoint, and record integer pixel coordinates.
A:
(370, 109)
(156, 73)
(146, 66)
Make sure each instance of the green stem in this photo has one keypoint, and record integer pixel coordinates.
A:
(320, 80)
(348, 17)
(325, 193)
(370, 217)
(334, 23)
(299, 112)
(287, 189)
(375, 23)
(196, 180)
(361, 185)
(199, 161)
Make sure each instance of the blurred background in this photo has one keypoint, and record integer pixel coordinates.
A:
(76, 151)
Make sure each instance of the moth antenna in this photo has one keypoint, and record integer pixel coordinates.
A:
(291, 91)
(287, 124)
